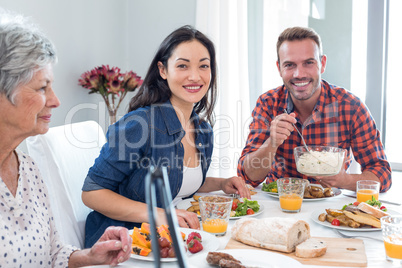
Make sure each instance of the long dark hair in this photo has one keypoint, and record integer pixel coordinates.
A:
(155, 89)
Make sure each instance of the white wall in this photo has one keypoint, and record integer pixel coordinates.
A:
(89, 33)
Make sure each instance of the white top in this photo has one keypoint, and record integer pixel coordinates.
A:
(27, 230)
(192, 180)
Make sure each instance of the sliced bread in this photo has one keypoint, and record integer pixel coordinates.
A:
(311, 248)
(378, 213)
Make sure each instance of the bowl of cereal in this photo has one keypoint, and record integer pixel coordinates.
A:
(319, 160)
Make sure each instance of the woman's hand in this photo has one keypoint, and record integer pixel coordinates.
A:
(112, 248)
(236, 185)
(187, 219)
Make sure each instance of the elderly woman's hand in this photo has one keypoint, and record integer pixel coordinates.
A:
(113, 247)
(236, 185)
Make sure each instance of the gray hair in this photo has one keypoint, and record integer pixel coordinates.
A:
(24, 49)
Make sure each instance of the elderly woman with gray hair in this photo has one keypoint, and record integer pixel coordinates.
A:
(27, 230)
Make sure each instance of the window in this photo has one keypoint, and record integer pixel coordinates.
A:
(393, 143)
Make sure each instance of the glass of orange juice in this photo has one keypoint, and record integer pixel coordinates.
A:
(291, 191)
(215, 213)
(366, 190)
(392, 234)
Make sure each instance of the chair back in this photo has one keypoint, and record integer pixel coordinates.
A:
(64, 155)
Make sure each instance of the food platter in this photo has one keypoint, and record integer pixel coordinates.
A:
(209, 242)
(186, 203)
(252, 258)
(336, 191)
(316, 213)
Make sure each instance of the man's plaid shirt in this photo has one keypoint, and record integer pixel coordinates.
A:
(339, 119)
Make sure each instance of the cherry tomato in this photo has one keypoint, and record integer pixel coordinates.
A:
(356, 203)
(335, 222)
(234, 206)
(250, 211)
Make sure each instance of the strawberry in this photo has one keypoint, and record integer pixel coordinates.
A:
(192, 236)
(195, 246)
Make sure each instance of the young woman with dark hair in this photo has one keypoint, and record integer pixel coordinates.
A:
(168, 124)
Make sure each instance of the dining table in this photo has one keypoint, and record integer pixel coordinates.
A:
(374, 250)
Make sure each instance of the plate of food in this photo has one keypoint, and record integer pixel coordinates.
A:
(357, 217)
(208, 241)
(247, 257)
(313, 192)
(240, 208)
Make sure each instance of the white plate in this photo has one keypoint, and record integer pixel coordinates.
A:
(186, 203)
(209, 243)
(336, 191)
(316, 213)
(252, 258)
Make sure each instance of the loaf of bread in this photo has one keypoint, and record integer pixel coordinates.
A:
(281, 234)
(311, 248)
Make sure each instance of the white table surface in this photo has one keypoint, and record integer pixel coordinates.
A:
(375, 251)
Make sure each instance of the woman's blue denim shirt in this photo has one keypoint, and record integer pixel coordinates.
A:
(147, 136)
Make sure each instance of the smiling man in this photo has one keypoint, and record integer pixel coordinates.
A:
(325, 114)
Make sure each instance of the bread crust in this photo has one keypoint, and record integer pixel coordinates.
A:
(281, 234)
(311, 248)
(362, 217)
(378, 213)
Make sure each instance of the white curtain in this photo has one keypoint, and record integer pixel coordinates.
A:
(279, 15)
(225, 23)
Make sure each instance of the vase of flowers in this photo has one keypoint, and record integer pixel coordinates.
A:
(111, 84)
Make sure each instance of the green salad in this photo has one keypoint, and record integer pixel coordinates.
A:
(271, 187)
(242, 207)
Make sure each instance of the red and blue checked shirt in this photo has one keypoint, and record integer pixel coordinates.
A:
(339, 119)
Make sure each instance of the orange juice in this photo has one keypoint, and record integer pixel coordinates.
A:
(366, 194)
(291, 202)
(393, 246)
(215, 226)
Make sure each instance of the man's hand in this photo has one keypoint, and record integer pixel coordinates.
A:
(281, 128)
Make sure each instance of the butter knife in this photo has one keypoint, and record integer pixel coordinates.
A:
(382, 201)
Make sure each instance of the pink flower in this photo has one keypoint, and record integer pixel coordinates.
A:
(110, 84)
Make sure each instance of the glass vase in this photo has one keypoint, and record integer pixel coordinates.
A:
(112, 116)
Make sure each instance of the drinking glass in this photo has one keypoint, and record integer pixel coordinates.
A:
(366, 190)
(215, 213)
(291, 191)
(392, 234)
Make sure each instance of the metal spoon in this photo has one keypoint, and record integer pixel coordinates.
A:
(301, 136)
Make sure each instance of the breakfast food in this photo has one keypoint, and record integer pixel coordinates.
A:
(214, 258)
(319, 163)
(311, 248)
(354, 215)
(311, 191)
(251, 189)
(372, 210)
(239, 208)
(281, 234)
(142, 241)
